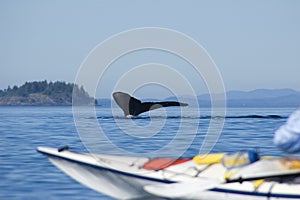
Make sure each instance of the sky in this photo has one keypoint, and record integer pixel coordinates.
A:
(254, 43)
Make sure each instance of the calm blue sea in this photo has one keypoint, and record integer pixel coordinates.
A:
(26, 174)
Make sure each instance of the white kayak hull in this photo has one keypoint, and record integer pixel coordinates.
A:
(101, 178)
(124, 178)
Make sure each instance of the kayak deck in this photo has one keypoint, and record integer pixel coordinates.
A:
(126, 177)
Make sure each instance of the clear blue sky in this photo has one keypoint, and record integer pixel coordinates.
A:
(255, 43)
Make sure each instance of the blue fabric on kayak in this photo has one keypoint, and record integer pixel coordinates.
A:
(253, 156)
(287, 137)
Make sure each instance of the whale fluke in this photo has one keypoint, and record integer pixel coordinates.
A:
(133, 107)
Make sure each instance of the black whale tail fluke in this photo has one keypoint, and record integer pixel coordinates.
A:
(133, 107)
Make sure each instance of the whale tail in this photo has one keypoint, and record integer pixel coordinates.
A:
(133, 107)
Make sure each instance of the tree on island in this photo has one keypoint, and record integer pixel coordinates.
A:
(44, 93)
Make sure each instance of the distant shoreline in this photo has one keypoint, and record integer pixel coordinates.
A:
(43, 93)
(59, 93)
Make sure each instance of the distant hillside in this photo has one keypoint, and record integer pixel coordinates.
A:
(264, 98)
(42, 93)
(254, 98)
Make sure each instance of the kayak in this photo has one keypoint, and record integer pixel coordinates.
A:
(201, 177)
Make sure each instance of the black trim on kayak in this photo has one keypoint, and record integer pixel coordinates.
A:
(277, 176)
(108, 169)
(261, 194)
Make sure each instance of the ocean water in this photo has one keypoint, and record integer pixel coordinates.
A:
(26, 174)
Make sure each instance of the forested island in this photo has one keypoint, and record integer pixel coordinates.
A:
(39, 93)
